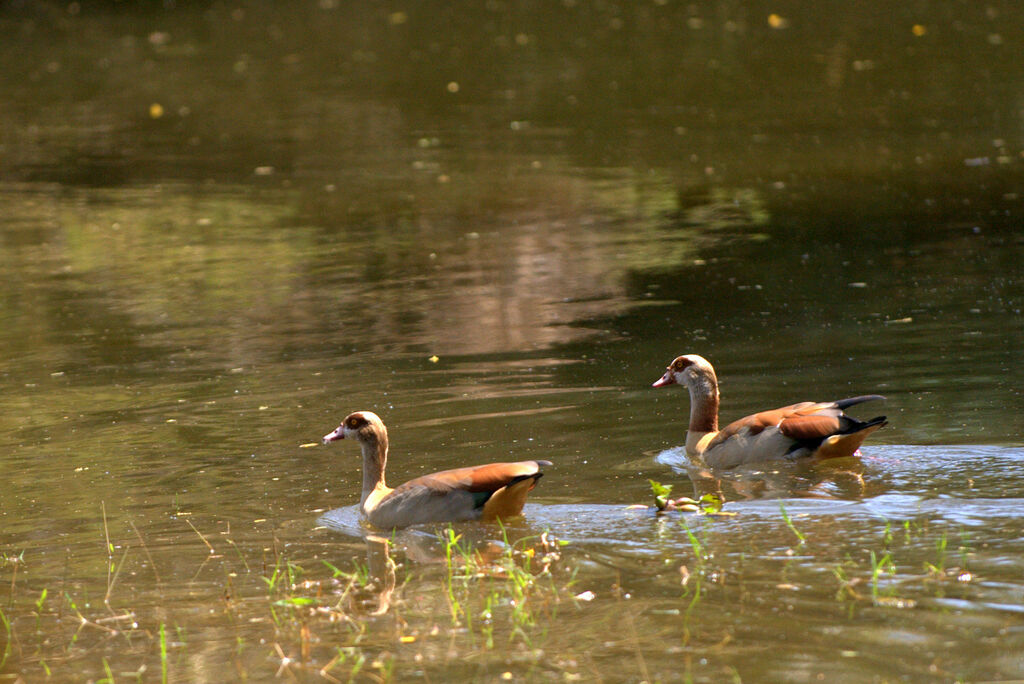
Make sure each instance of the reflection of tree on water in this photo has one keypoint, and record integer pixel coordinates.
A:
(510, 280)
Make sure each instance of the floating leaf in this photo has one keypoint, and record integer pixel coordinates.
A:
(298, 601)
(711, 503)
(661, 494)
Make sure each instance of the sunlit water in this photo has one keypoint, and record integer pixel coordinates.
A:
(224, 229)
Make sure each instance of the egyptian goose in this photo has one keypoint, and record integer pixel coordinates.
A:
(805, 429)
(486, 492)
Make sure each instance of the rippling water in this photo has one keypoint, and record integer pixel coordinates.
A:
(226, 227)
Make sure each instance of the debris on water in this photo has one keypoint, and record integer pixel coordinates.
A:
(895, 602)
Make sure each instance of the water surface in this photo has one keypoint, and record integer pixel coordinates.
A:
(225, 227)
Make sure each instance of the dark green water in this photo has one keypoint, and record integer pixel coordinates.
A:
(225, 226)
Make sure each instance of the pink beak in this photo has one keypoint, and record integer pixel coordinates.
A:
(666, 380)
(335, 436)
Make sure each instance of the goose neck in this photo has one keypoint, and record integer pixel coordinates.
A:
(703, 404)
(375, 458)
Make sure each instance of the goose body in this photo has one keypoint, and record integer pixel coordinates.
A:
(485, 492)
(807, 429)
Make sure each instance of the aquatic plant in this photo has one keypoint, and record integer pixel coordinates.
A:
(939, 568)
(708, 504)
(879, 565)
(789, 523)
(5, 654)
(701, 557)
(482, 583)
(662, 493)
(163, 653)
(452, 550)
(698, 547)
(846, 584)
(289, 573)
(882, 565)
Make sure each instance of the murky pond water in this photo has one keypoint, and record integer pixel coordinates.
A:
(224, 227)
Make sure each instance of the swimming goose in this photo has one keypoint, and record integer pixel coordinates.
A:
(805, 429)
(486, 492)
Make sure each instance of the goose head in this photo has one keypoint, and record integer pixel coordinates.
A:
(368, 430)
(688, 370)
(363, 426)
(696, 374)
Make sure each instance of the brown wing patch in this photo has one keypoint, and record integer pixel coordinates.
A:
(765, 419)
(807, 427)
(804, 407)
(759, 421)
(484, 478)
(494, 476)
(754, 423)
